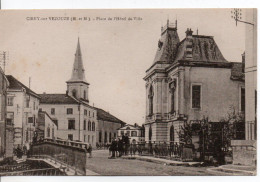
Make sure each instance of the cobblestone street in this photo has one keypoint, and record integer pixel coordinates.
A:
(103, 166)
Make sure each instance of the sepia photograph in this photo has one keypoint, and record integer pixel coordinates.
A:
(128, 92)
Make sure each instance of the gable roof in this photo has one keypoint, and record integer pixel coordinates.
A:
(103, 115)
(57, 99)
(17, 85)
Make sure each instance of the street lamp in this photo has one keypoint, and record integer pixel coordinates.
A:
(237, 15)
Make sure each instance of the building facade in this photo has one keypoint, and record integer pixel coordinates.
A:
(189, 80)
(3, 128)
(244, 151)
(22, 111)
(76, 119)
(107, 127)
(134, 132)
(46, 127)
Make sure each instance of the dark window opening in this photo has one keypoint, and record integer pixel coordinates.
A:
(71, 125)
(196, 91)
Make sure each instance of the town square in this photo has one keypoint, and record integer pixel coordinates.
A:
(159, 92)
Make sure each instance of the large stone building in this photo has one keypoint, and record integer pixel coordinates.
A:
(75, 118)
(187, 80)
(22, 111)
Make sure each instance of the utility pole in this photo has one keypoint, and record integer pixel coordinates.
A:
(4, 56)
(237, 15)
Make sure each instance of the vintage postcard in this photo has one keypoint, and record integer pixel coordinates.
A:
(128, 92)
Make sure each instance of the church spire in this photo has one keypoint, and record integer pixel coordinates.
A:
(78, 72)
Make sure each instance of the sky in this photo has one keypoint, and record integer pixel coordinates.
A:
(116, 53)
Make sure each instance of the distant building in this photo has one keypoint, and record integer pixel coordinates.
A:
(76, 119)
(22, 111)
(187, 80)
(4, 144)
(107, 126)
(134, 132)
(46, 126)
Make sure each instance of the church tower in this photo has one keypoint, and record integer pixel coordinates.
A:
(77, 86)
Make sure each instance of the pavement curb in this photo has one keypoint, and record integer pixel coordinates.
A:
(163, 161)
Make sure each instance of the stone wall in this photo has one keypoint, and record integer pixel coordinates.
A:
(244, 152)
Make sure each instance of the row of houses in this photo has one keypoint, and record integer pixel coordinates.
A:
(67, 116)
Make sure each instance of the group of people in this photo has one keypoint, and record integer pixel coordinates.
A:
(19, 151)
(119, 147)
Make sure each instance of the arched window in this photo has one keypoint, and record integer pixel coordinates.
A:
(53, 133)
(150, 133)
(105, 139)
(89, 126)
(74, 93)
(93, 126)
(172, 134)
(84, 94)
(150, 98)
(172, 92)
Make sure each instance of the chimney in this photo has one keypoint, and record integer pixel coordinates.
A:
(188, 44)
(189, 32)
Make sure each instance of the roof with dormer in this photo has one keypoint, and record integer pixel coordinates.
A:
(203, 48)
(78, 71)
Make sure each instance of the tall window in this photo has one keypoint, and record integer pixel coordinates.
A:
(122, 133)
(89, 125)
(150, 133)
(172, 92)
(10, 101)
(53, 133)
(85, 94)
(150, 98)
(69, 111)
(243, 99)
(71, 125)
(48, 131)
(196, 96)
(34, 105)
(52, 111)
(100, 136)
(105, 139)
(27, 102)
(74, 93)
(93, 126)
(85, 112)
(110, 137)
(85, 124)
(172, 133)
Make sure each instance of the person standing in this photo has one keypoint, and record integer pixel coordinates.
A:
(90, 151)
